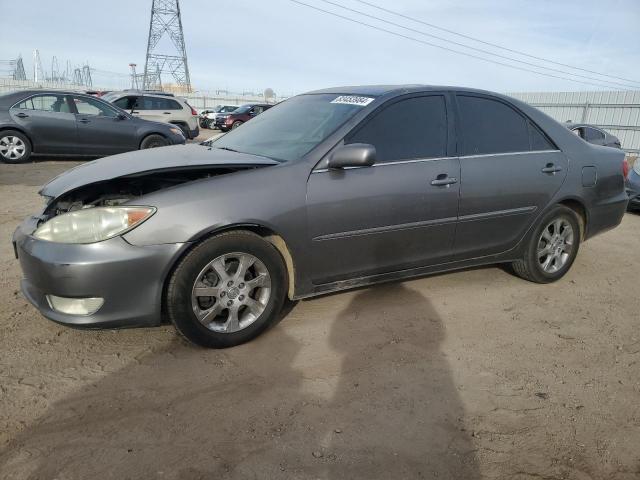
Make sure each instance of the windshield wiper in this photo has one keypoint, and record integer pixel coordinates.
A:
(227, 149)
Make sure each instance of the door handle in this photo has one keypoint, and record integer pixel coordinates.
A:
(167, 113)
(22, 115)
(134, 113)
(443, 180)
(84, 120)
(551, 168)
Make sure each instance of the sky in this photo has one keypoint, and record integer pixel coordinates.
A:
(249, 45)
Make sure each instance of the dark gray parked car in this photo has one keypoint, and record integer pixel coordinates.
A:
(594, 134)
(329, 190)
(69, 123)
(633, 186)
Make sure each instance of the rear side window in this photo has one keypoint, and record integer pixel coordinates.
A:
(489, 126)
(45, 103)
(158, 103)
(539, 140)
(412, 128)
(592, 134)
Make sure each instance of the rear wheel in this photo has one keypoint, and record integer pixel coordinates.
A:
(153, 141)
(552, 247)
(227, 290)
(14, 147)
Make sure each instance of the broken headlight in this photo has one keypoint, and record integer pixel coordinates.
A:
(91, 225)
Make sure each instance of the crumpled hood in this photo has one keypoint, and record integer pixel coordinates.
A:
(154, 159)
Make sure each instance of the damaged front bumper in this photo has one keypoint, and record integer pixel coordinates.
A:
(128, 278)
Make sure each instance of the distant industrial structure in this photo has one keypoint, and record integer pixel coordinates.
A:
(618, 112)
(166, 22)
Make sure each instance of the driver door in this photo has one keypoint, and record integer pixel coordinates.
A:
(397, 214)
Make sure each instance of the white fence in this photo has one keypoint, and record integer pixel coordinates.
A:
(617, 112)
(198, 100)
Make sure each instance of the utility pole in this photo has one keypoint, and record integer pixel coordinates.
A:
(166, 22)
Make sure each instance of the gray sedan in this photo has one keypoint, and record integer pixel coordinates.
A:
(329, 190)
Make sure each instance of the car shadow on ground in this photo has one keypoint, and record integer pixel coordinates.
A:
(381, 402)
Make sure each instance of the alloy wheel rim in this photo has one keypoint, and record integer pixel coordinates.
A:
(12, 147)
(555, 245)
(231, 292)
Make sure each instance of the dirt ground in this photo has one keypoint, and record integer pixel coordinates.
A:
(468, 375)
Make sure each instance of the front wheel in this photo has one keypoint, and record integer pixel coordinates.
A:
(227, 290)
(153, 141)
(551, 248)
(236, 124)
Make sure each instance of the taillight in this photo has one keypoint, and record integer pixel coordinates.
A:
(625, 167)
(193, 110)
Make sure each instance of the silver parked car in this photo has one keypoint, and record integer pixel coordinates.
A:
(329, 190)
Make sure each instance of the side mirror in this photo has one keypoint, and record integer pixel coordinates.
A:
(353, 155)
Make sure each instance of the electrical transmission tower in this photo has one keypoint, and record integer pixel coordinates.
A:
(166, 20)
(38, 72)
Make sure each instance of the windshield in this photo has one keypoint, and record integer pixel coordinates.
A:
(228, 108)
(292, 128)
(243, 109)
(111, 96)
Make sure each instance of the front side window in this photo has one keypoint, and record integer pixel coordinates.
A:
(90, 106)
(45, 103)
(488, 126)
(409, 129)
(127, 103)
(289, 130)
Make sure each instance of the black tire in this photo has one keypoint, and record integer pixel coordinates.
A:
(9, 157)
(185, 130)
(236, 124)
(153, 141)
(529, 267)
(178, 294)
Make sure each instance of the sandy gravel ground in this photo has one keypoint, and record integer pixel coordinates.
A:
(468, 375)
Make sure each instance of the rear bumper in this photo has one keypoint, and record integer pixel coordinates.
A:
(606, 215)
(129, 278)
(194, 133)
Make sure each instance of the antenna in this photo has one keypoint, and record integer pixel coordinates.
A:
(165, 19)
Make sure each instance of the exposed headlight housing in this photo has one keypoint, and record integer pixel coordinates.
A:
(177, 131)
(92, 225)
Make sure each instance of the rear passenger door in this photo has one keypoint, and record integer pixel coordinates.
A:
(160, 109)
(48, 121)
(397, 214)
(510, 171)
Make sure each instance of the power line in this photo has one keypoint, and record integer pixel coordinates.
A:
(477, 49)
(501, 47)
(446, 48)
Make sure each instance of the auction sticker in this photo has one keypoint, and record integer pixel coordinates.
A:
(353, 100)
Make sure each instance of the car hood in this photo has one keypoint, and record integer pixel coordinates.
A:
(151, 160)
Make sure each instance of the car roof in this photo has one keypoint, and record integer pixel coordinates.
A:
(378, 90)
(11, 98)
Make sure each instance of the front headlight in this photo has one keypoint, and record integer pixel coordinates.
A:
(92, 224)
(177, 131)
